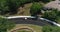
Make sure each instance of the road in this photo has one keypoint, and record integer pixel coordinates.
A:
(29, 21)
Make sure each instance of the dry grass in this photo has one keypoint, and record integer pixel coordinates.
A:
(25, 10)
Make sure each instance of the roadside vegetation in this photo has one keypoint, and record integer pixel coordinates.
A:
(53, 15)
(36, 8)
(5, 25)
(51, 29)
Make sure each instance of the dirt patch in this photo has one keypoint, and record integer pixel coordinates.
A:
(24, 10)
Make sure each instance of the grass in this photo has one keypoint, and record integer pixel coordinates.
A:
(23, 31)
(34, 27)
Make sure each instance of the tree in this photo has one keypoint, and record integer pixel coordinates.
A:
(35, 8)
(5, 24)
(51, 29)
(3, 7)
(13, 4)
(58, 19)
(53, 15)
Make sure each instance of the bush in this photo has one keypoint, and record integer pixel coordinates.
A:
(5, 24)
(52, 15)
(3, 7)
(51, 29)
(35, 8)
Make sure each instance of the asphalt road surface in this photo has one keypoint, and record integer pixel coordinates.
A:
(29, 21)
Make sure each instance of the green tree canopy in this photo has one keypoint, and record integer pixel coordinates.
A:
(3, 7)
(5, 25)
(51, 29)
(35, 8)
(52, 15)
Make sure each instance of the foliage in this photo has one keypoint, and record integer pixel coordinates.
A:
(51, 29)
(3, 7)
(5, 24)
(36, 8)
(58, 19)
(52, 15)
(12, 6)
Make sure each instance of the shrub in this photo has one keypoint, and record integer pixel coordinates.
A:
(52, 15)
(51, 29)
(35, 8)
(3, 7)
(5, 24)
